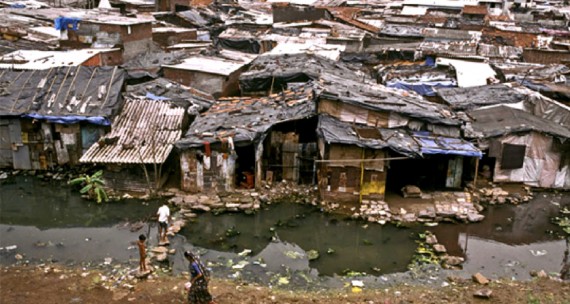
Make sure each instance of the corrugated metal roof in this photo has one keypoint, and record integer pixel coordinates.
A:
(43, 60)
(144, 133)
(62, 92)
(245, 119)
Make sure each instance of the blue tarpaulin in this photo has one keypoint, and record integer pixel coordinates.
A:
(445, 145)
(96, 120)
(154, 97)
(63, 23)
(430, 61)
(424, 88)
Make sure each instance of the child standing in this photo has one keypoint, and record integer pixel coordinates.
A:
(142, 252)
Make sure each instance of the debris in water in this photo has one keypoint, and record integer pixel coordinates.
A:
(240, 265)
(357, 283)
(312, 255)
(293, 254)
(245, 252)
(538, 252)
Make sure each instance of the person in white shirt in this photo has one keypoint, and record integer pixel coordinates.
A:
(163, 221)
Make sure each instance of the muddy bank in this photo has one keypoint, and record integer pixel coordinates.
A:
(86, 286)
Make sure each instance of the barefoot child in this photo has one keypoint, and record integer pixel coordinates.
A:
(142, 252)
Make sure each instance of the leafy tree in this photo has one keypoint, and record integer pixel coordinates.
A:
(92, 185)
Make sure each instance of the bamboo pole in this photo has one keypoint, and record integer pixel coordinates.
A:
(476, 172)
(361, 178)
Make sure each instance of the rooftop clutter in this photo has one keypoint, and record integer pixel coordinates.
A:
(408, 78)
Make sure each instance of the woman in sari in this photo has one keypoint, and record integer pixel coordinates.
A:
(198, 293)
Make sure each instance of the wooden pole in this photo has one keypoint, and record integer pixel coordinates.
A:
(476, 173)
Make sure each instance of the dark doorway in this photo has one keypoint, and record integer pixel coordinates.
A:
(428, 173)
(245, 167)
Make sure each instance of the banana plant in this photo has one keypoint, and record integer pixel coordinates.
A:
(92, 186)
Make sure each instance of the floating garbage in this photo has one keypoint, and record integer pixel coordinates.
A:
(538, 252)
(244, 252)
(108, 261)
(11, 247)
(240, 265)
(293, 254)
(357, 283)
(356, 289)
(312, 255)
(283, 281)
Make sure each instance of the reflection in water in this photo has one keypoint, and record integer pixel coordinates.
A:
(511, 240)
(28, 201)
(342, 244)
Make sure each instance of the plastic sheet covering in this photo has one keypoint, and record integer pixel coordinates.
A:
(64, 23)
(246, 46)
(424, 88)
(549, 170)
(446, 145)
(399, 140)
(396, 120)
(97, 120)
(541, 163)
(549, 109)
(563, 178)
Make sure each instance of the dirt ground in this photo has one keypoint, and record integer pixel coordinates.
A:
(57, 284)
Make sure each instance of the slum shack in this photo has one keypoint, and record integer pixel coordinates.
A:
(370, 126)
(521, 147)
(214, 75)
(240, 142)
(50, 117)
(98, 29)
(137, 151)
(357, 161)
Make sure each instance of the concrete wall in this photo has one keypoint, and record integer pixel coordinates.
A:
(199, 174)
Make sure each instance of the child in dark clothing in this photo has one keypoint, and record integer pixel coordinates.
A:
(142, 252)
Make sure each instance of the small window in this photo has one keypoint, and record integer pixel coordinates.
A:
(512, 156)
(368, 133)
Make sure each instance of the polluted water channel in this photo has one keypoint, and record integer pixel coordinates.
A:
(281, 244)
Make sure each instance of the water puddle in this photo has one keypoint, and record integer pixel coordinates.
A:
(47, 220)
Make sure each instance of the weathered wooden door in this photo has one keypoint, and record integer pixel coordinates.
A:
(20, 151)
(5, 145)
(454, 172)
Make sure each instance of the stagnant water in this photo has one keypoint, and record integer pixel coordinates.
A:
(48, 220)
